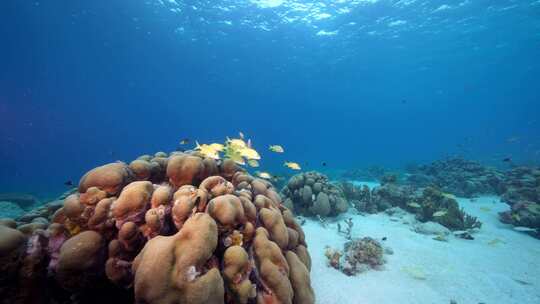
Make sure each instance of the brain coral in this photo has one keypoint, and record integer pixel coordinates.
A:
(311, 193)
(176, 228)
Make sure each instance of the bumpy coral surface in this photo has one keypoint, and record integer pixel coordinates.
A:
(179, 228)
(312, 194)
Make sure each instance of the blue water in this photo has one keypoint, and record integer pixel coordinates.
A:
(350, 83)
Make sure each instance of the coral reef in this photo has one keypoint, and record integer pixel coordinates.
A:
(23, 200)
(379, 198)
(458, 176)
(522, 184)
(359, 255)
(10, 210)
(179, 228)
(428, 204)
(434, 205)
(389, 178)
(523, 196)
(311, 194)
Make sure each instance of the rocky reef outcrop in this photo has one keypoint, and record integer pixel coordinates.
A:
(427, 204)
(312, 194)
(458, 176)
(522, 184)
(178, 228)
(378, 199)
(523, 196)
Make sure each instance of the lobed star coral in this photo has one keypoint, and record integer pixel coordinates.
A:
(179, 228)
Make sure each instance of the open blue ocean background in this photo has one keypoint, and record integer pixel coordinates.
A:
(350, 83)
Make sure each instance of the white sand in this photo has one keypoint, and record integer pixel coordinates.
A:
(467, 271)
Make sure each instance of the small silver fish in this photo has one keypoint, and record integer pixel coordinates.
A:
(524, 229)
(439, 213)
(414, 205)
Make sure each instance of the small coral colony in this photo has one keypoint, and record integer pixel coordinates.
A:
(194, 226)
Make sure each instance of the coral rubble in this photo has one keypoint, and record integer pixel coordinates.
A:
(358, 256)
(179, 228)
(312, 194)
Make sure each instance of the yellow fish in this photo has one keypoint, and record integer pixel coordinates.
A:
(292, 165)
(249, 153)
(235, 156)
(236, 143)
(217, 147)
(207, 150)
(485, 209)
(264, 175)
(276, 148)
(253, 163)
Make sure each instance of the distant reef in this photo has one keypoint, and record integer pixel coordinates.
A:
(165, 228)
(461, 177)
(428, 189)
(23, 200)
(427, 204)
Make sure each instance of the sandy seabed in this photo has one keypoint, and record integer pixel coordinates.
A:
(422, 270)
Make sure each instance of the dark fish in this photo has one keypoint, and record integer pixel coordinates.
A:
(522, 282)
(403, 101)
(507, 159)
(324, 164)
(68, 183)
(184, 141)
(384, 238)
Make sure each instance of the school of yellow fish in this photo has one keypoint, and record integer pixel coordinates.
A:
(241, 152)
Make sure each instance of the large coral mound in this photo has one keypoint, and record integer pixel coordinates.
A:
(311, 193)
(178, 228)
